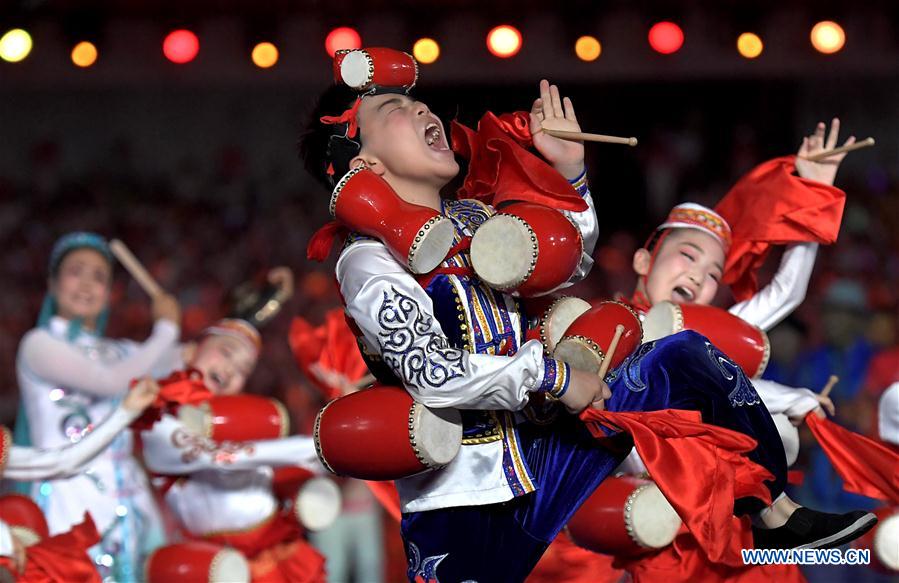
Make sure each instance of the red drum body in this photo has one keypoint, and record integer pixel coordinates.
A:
(24, 518)
(625, 516)
(746, 344)
(526, 248)
(555, 314)
(587, 339)
(237, 418)
(418, 237)
(382, 434)
(316, 499)
(197, 561)
(883, 540)
(363, 69)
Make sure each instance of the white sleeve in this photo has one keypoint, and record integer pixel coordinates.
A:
(888, 415)
(6, 547)
(60, 363)
(791, 401)
(170, 448)
(587, 224)
(778, 299)
(396, 317)
(28, 463)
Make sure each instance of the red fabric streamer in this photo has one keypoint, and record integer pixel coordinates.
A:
(328, 354)
(348, 117)
(62, 558)
(867, 467)
(387, 495)
(502, 170)
(674, 444)
(770, 206)
(565, 561)
(183, 387)
(323, 240)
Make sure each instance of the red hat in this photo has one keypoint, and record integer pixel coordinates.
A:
(690, 215)
(239, 329)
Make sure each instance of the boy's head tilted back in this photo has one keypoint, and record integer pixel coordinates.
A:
(226, 355)
(394, 135)
(683, 261)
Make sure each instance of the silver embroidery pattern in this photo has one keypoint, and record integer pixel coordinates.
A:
(417, 354)
(423, 570)
(743, 393)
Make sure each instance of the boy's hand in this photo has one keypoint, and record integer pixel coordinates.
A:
(566, 156)
(824, 171)
(585, 389)
(141, 396)
(165, 306)
(824, 404)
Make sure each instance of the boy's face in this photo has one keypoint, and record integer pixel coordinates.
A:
(225, 363)
(403, 140)
(687, 268)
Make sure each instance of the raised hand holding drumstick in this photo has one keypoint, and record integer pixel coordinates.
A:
(566, 156)
(165, 306)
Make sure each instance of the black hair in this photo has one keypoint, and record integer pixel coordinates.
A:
(322, 146)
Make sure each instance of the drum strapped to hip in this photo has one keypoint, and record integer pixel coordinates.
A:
(241, 417)
(526, 248)
(196, 561)
(625, 516)
(382, 434)
(585, 342)
(316, 500)
(745, 344)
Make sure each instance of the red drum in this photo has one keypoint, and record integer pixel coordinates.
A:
(382, 434)
(364, 69)
(24, 518)
(196, 561)
(585, 341)
(746, 344)
(625, 516)
(526, 248)
(883, 540)
(556, 315)
(237, 418)
(417, 236)
(316, 499)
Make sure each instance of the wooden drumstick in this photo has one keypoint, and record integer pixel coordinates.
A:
(587, 137)
(833, 380)
(135, 268)
(856, 146)
(613, 345)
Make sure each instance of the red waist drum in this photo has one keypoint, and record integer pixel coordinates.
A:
(526, 248)
(555, 314)
(625, 516)
(382, 434)
(196, 561)
(746, 344)
(417, 236)
(237, 418)
(587, 339)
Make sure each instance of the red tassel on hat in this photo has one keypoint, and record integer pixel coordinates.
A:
(322, 241)
(348, 117)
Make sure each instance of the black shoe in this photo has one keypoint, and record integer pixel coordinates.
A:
(810, 529)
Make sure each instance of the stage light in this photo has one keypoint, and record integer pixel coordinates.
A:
(504, 41)
(587, 48)
(181, 46)
(265, 55)
(828, 37)
(343, 37)
(666, 37)
(84, 54)
(15, 45)
(750, 45)
(426, 50)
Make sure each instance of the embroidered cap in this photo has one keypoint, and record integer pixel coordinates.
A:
(78, 240)
(235, 328)
(690, 215)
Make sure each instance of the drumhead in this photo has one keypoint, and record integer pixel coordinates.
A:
(25, 535)
(318, 503)
(663, 319)
(504, 252)
(558, 318)
(356, 69)
(436, 435)
(650, 518)
(229, 566)
(195, 418)
(886, 542)
(580, 353)
(436, 241)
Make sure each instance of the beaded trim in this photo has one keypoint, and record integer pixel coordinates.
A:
(284, 415)
(766, 357)
(413, 249)
(316, 438)
(590, 344)
(332, 206)
(415, 412)
(635, 315)
(5, 444)
(544, 320)
(678, 323)
(629, 511)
